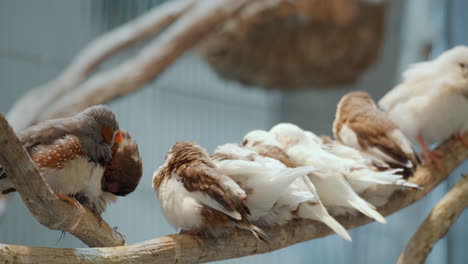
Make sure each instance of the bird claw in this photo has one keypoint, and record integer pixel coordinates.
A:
(67, 199)
(433, 158)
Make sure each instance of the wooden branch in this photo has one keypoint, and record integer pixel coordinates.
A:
(25, 112)
(50, 211)
(185, 249)
(150, 62)
(437, 224)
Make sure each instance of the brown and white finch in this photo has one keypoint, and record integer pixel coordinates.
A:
(196, 197)
(361, 125)
(431, 104)
(122, 174)
(72, 153)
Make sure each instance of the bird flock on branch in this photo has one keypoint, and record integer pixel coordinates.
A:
(271, 177)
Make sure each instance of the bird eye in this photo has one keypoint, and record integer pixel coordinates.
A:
(462, 65)
(245, 142)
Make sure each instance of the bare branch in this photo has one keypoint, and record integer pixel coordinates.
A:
(437, 224)
(185, 249)
(25, 112)
(52, 212)
(150, 62)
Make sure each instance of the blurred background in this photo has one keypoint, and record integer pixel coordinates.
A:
(190, 101)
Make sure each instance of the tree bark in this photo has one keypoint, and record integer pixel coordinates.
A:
(186, 249)
(58, 214)
(437, 224)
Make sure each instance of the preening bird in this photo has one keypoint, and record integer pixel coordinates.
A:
(265, 179)
(121, 175)
(197, 197)
(431, 104)
(368, 172)
(266, 145)
(361, 125)
(276, 194)
(72, 153)
(330, 180)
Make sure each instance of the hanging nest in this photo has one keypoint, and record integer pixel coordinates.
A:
(295, 44)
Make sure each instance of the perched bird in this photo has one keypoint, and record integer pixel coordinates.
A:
(263, 178)
(266, 145)
(276, 194)
(368, 172)
(332, 186)
(121, 175)
(72, 153)
(431, 104)
(196, 197)
(361, 125)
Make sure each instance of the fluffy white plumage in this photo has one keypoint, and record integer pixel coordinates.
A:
(332, 186)
(265, 178)
(275, 192)
(366, 176)
(432, 100)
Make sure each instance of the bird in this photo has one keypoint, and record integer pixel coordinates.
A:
(266, 145)
(263, 178)
(332, 187)
(361, 125)
(369, 172)
(276, 194)
(431, 103)
(121, 177)
(197, 197)
(72, 153)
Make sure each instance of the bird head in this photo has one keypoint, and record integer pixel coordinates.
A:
(123, 172)
(259, 137)
(100, 123)
(455, 61)
(287, 134)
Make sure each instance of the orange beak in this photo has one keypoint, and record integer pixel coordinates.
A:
(118, 137)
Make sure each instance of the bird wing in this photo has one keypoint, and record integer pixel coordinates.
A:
(376, 133)
(277, 153)
(46, 132)
(213, 189)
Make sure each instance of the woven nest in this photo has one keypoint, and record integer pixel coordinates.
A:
(295, 44)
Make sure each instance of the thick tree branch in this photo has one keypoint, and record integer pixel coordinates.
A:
(437, 224)
(52, 212)
(25, 112)
(185, 249)
(149, 62)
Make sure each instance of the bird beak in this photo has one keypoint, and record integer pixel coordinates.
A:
(118, 137)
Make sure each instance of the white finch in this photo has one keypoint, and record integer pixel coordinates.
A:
(431, 103)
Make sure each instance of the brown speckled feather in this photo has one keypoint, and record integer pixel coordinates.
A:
(277, 153)
(56, 153)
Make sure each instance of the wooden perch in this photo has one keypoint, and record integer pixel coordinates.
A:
(186, 249)
(437, 224)
(50, 211)
(149, 62)
(25, 112)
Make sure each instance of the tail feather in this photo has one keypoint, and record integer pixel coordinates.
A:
(320, 213)
(259, 234)
(287, 175)
(336, 227)
(2, 173)
(367, 209)
(391, 177)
